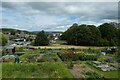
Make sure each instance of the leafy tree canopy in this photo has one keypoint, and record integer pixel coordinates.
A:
(3, 39)
(41, 39)
(90, 35)
(82, 35)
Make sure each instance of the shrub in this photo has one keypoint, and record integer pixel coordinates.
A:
(74, 56)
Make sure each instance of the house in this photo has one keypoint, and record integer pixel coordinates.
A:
(10, 42)
(21, 42)
(10, 50)
(54, 35)
(22, 35)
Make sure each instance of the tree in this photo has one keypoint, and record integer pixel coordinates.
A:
(109, 32)
(118, 37)
(82, 35)
(29, 38)
(95, 36)
(13, 32)
(3, 39)
(41, 39)
(70, 32)
(104, 42)
(71, 35)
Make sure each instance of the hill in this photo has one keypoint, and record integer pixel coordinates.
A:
(8, 30)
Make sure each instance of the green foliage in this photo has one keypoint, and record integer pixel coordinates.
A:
(118, 36)
(70, 64)
(20, 49)
(93, 75)
(38, 70)
(82, 35)
(12, 32)
(117, 56)
(29, 38)
(71, 32)
(104, 42)
(88, 57)
(3, 39)
(40, 55)
(109, 33)
(41, 39)
(90, 35)
(69, 55)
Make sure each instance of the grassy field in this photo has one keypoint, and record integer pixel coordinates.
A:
(38, 70)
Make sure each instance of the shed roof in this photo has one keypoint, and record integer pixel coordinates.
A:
(10, 47)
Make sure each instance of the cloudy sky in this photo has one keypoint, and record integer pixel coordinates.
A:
(56, 16)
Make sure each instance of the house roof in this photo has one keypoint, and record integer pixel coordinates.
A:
(10, 47)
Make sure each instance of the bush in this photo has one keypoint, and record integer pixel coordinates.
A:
(74, 56)
(104, 42)
(70, 55)
(70, 64)
(93, 75)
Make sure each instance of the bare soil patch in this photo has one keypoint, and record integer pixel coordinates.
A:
(58, 46)
(79, 70)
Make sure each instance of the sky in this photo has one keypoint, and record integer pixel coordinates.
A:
(55, 16)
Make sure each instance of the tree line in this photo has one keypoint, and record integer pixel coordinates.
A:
(85, 35)
(90, 35)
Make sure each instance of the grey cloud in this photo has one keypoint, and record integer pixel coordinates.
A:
(53, 15)
(104, 10)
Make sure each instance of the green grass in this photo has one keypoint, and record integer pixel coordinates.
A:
(35, 70)
(0, 70)
(20, 49)
(111, 74)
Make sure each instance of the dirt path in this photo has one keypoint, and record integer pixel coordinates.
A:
(79, 70)
(58, 46)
